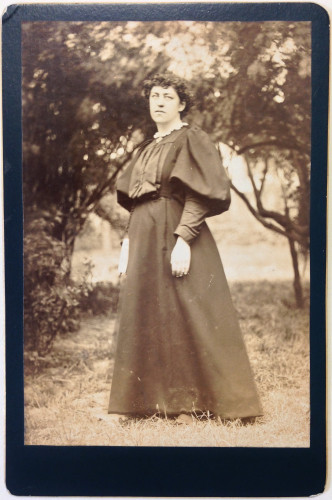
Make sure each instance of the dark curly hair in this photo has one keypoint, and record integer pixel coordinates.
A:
(169, 80)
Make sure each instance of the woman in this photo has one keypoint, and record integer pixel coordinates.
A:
(179, 349)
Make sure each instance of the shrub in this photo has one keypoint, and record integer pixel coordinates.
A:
(51, 301)
(101, 298)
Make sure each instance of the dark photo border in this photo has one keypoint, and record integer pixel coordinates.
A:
(144, 471)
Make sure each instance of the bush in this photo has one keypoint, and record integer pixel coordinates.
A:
(101, 298)
(51, 302)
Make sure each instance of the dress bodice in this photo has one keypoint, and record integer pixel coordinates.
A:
(186, 160)
(146, 174)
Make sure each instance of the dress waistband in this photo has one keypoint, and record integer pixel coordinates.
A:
(161, 193)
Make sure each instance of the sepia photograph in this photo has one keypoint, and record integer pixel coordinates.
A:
(166, 194)
(165, 187)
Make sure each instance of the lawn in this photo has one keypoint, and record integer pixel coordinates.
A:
(66, 391)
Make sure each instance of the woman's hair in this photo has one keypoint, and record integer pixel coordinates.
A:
(169, 80)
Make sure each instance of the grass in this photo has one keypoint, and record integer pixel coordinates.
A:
(66, 392)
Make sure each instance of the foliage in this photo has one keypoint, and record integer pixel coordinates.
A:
(83, 112)
(81, 119)
(51, 306)
(265, 87)
(292, 217)
(257, 90)
(101, 298)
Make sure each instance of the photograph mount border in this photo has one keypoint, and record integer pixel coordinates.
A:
(100, 471)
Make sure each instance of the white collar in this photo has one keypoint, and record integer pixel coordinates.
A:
(159, 135)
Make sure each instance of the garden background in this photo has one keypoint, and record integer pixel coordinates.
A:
(83, 115)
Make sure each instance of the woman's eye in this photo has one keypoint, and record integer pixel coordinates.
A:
(166, 97)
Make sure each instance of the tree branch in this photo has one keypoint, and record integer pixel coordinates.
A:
(254, 212)
(99, 192)
(260, 144)
(266, 168)
(289, 231)
(271, 214)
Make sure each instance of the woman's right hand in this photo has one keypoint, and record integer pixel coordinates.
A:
(124, 254)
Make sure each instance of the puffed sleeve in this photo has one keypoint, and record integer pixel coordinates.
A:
(199, 168)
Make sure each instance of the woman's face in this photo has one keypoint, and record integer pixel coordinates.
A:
(165, 105)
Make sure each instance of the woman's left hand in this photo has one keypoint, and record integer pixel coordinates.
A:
(180, 258)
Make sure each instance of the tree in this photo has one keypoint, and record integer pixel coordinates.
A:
(82, 114)
(260, 105)
(81, 120)
(292, 219)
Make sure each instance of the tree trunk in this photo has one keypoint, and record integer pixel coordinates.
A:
(297, 278)
(69, 231)
(68, 258)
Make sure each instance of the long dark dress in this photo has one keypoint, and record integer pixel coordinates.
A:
(179, 345)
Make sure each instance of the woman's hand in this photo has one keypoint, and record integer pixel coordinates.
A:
(180, 258)
(123, 260)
